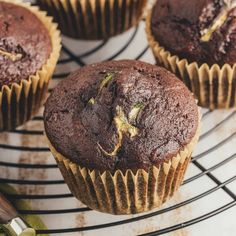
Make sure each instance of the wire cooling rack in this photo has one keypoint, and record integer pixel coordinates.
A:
(204, 205)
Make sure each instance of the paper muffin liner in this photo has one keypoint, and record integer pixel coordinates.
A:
(125, 193)
(19, 102)
(213, 86)
(94, 19)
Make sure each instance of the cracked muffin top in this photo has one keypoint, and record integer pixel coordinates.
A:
(25, 44)
(120, 115)
(198, 30)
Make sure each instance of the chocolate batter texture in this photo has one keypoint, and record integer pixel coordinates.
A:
(198, 30)
(25, 44)
(120, 115)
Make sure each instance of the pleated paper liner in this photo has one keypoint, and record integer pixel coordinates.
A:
(19, 102)
(213, 86)
(129, 192)
(94, 19)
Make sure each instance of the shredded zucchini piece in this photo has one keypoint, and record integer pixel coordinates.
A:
(11, 56)
(122, 126)
(228, 5)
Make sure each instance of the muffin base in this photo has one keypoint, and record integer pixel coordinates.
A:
(99, 19)
(19, 102)
(213, 86)
(125, 193)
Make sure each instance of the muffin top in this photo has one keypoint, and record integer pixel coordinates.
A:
(120, 115)
(198, 30)
(25, 44)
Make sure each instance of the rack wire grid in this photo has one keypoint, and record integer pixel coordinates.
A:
(204, 205)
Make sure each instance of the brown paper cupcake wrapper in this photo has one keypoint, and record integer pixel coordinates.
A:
(129, 192)
(94, 19)
(19, 102)
(213, 86)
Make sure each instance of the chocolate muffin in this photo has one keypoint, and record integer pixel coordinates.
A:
(94, 19)
(119, 131)
(203, 29)
(28, 54)
(189, 37)
(21, 55)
